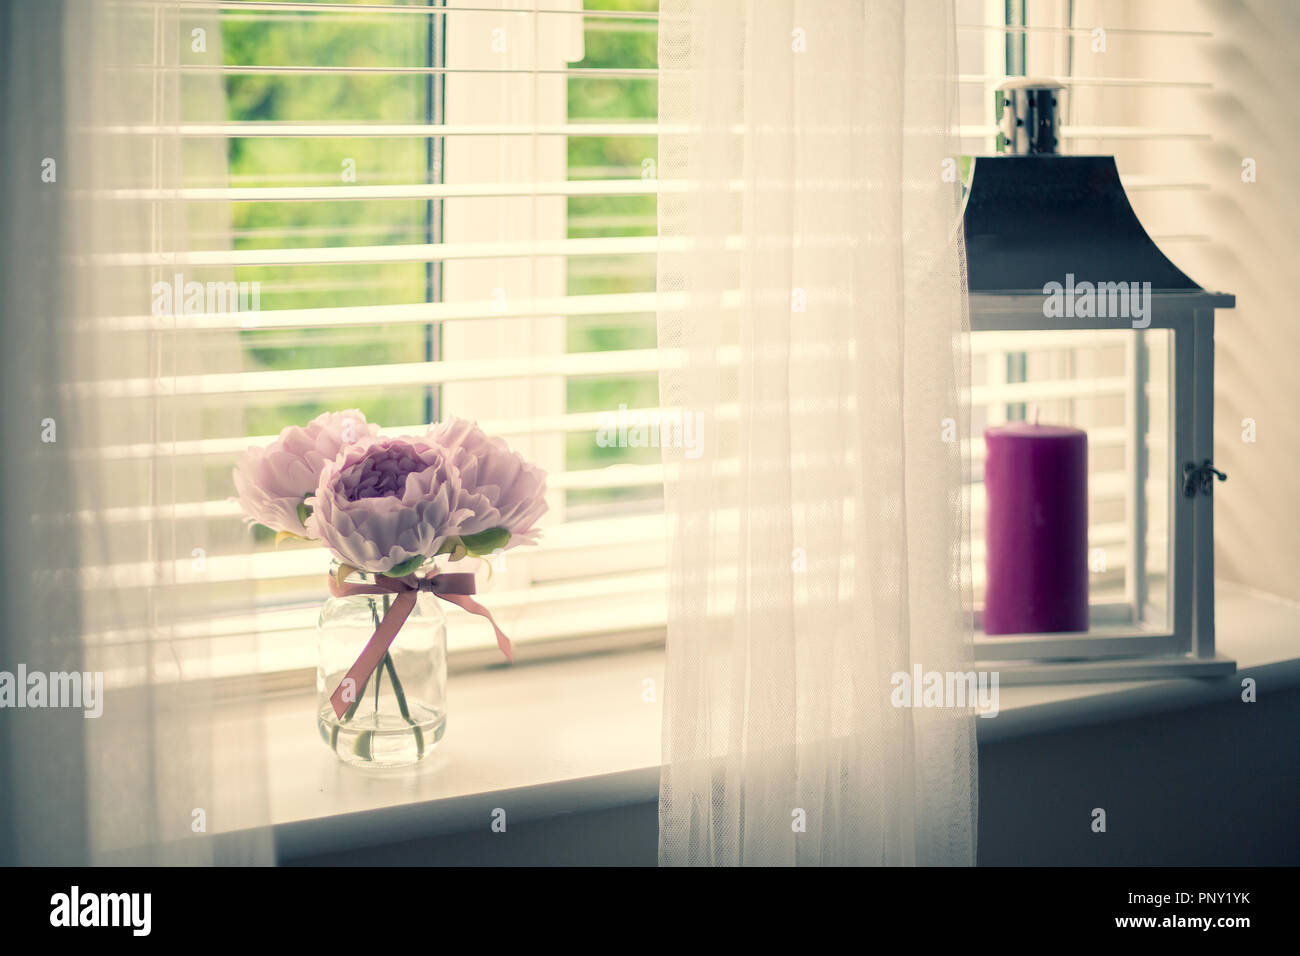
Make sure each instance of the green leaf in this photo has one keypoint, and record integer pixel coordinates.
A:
(409, 566)
(364, 745)
(486, 542)
(304, 512)
(453, 547)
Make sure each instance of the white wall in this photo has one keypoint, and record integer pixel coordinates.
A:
(1250, 246)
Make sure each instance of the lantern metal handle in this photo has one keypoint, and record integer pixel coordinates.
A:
(1200, 478)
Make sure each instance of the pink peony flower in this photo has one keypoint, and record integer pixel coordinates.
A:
(389, 503)
(515, 491)
(273, 481)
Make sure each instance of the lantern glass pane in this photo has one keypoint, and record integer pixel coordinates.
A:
(1158, 348)
(1093, 380)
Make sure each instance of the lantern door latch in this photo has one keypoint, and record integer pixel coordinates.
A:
(1199, 479)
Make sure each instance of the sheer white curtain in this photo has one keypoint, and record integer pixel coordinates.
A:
(110, 564)
(815, 326)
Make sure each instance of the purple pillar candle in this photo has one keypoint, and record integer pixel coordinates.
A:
(1036, 484)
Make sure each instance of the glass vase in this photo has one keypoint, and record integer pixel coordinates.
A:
(400, 711)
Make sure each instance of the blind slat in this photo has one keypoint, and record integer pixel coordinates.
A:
(251, 129)
(1100, 485)
(257, 128)
(648, 73)
(524, 72)
(247, 6)
(393, 375)
(572, 187)
(567, 188)
(289, 6)
(612, 304)
(569, 423)
(415, 313)
(407, 252)
(573, 364)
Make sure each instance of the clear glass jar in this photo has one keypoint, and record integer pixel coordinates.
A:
(400, 712)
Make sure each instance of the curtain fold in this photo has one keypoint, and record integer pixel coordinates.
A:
(111, 567)
(812, 250)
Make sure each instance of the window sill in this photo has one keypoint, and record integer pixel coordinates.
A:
(576, 735)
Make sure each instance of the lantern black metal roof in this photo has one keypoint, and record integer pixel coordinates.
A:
(1030, 220)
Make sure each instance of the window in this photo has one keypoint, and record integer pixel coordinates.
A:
(449, 208)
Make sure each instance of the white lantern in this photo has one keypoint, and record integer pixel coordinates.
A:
(1078, 317)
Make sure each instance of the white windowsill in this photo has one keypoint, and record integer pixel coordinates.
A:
(576, 734)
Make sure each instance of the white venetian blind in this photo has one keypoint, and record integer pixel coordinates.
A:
(449, 208)
(445, 209)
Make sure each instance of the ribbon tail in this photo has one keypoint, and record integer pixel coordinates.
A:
(374, 651)
(467, 603)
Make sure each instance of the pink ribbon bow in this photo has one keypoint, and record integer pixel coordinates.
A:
(454, 588)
